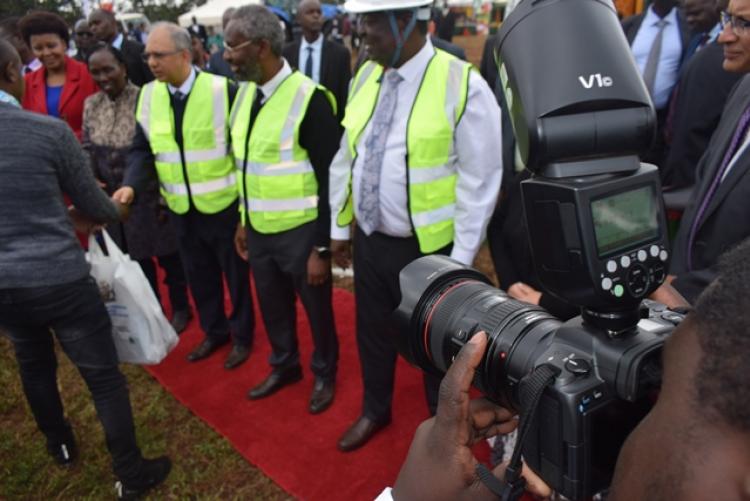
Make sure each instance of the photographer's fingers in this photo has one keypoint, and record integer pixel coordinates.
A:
(453, 403)
(534, 484)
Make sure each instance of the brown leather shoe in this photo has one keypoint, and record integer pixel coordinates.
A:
(237, 356)
(322, 395)
(360, 433)
(275, 381)
(204, 349)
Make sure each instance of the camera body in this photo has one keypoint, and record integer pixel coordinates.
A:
(596, 222)
(604, 385)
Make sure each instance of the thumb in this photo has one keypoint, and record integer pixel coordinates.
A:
(453, 405)
(534, 484)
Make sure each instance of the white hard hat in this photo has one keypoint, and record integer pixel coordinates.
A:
(363, 6)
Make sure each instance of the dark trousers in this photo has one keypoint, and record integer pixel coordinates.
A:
(77, 316)
(279, 264)
(378, 259)
(206, 244)
(174, 279)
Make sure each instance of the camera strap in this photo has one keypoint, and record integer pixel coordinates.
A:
(531, 388)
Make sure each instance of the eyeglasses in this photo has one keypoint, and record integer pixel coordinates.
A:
(739, 25)
(159, 55)
(84, 34)
(238, 46)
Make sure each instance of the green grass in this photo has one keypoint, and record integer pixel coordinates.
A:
(205, 466)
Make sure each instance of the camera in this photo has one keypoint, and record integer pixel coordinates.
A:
(595, 218)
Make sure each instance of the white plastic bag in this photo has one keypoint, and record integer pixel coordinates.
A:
(141, 332)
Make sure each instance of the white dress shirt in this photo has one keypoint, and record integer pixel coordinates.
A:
(317, 47)
(117, 42)
(270, 87)
(671, 53)
(477, 159)
(187, 85)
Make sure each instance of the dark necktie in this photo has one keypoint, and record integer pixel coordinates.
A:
(739, 134)
(254, 110)
(179, 96)
(309, 63)
(652, 63)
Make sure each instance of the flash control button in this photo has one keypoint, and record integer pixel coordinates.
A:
(607, 284)
(625, 261)
(654, 250)
(663, 255)
(642, 255)
(611, 266)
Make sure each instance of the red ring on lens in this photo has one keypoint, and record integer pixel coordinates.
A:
(432, 311)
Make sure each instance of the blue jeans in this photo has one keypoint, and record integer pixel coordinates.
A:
(78, 318)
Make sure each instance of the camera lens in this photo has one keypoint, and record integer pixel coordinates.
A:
(453, 305)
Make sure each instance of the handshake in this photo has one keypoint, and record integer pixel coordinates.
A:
(84, 224)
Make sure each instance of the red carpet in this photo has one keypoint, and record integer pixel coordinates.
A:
(278, 435)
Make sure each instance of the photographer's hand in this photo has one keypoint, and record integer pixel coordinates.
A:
(440, 463)
(524, 292)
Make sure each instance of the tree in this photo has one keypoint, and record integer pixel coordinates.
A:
(70, 10)
(164, 10)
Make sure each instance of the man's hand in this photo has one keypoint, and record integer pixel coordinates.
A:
(124, 195)
(240, 241)
(440, 464)
(82, 223)
(666, 294)
(524, 292)
(341, 251)
(318, 269)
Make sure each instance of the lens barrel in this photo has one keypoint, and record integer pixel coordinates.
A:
(454, 305)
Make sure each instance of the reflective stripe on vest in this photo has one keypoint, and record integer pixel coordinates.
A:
(208, 177)
(278, 186)
(431, 174)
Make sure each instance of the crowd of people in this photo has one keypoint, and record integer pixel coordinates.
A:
(270, 158)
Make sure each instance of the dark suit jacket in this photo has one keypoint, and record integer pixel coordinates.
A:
(78, 86)
(218, 66)
(632, 24)
(703, 91)
(138, 71)
(448, 47)
(725, 222)
(335, 69)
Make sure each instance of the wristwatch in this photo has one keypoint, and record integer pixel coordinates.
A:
(323, 252)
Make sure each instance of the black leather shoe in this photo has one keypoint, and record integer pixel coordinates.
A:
(204, 349)
(180, 320)
(64, 453)
(153, 472)
(360, 433)
(322, 395)
(237, 356)
(275, 381)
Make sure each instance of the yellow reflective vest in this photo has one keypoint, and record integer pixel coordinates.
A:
(431, 175)
(276, 181)
(206, 173)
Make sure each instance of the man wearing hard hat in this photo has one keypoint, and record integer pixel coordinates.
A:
(419, 168)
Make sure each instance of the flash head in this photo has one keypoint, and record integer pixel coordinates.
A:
(593, 115)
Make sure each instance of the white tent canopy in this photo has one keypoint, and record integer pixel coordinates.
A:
(210, 13)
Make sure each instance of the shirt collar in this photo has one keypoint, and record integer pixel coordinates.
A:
(651, 17)
(713, 35)
(34, 65)
(7, 98)
(187, 85)
(317, 44)
(415, 67)
(270, 87)
(117, 42)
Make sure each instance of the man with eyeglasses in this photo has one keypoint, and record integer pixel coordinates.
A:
(284, 135)
(696, 108)
(84, 40)
(103, 25)
(183, 128)
(717, 217)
